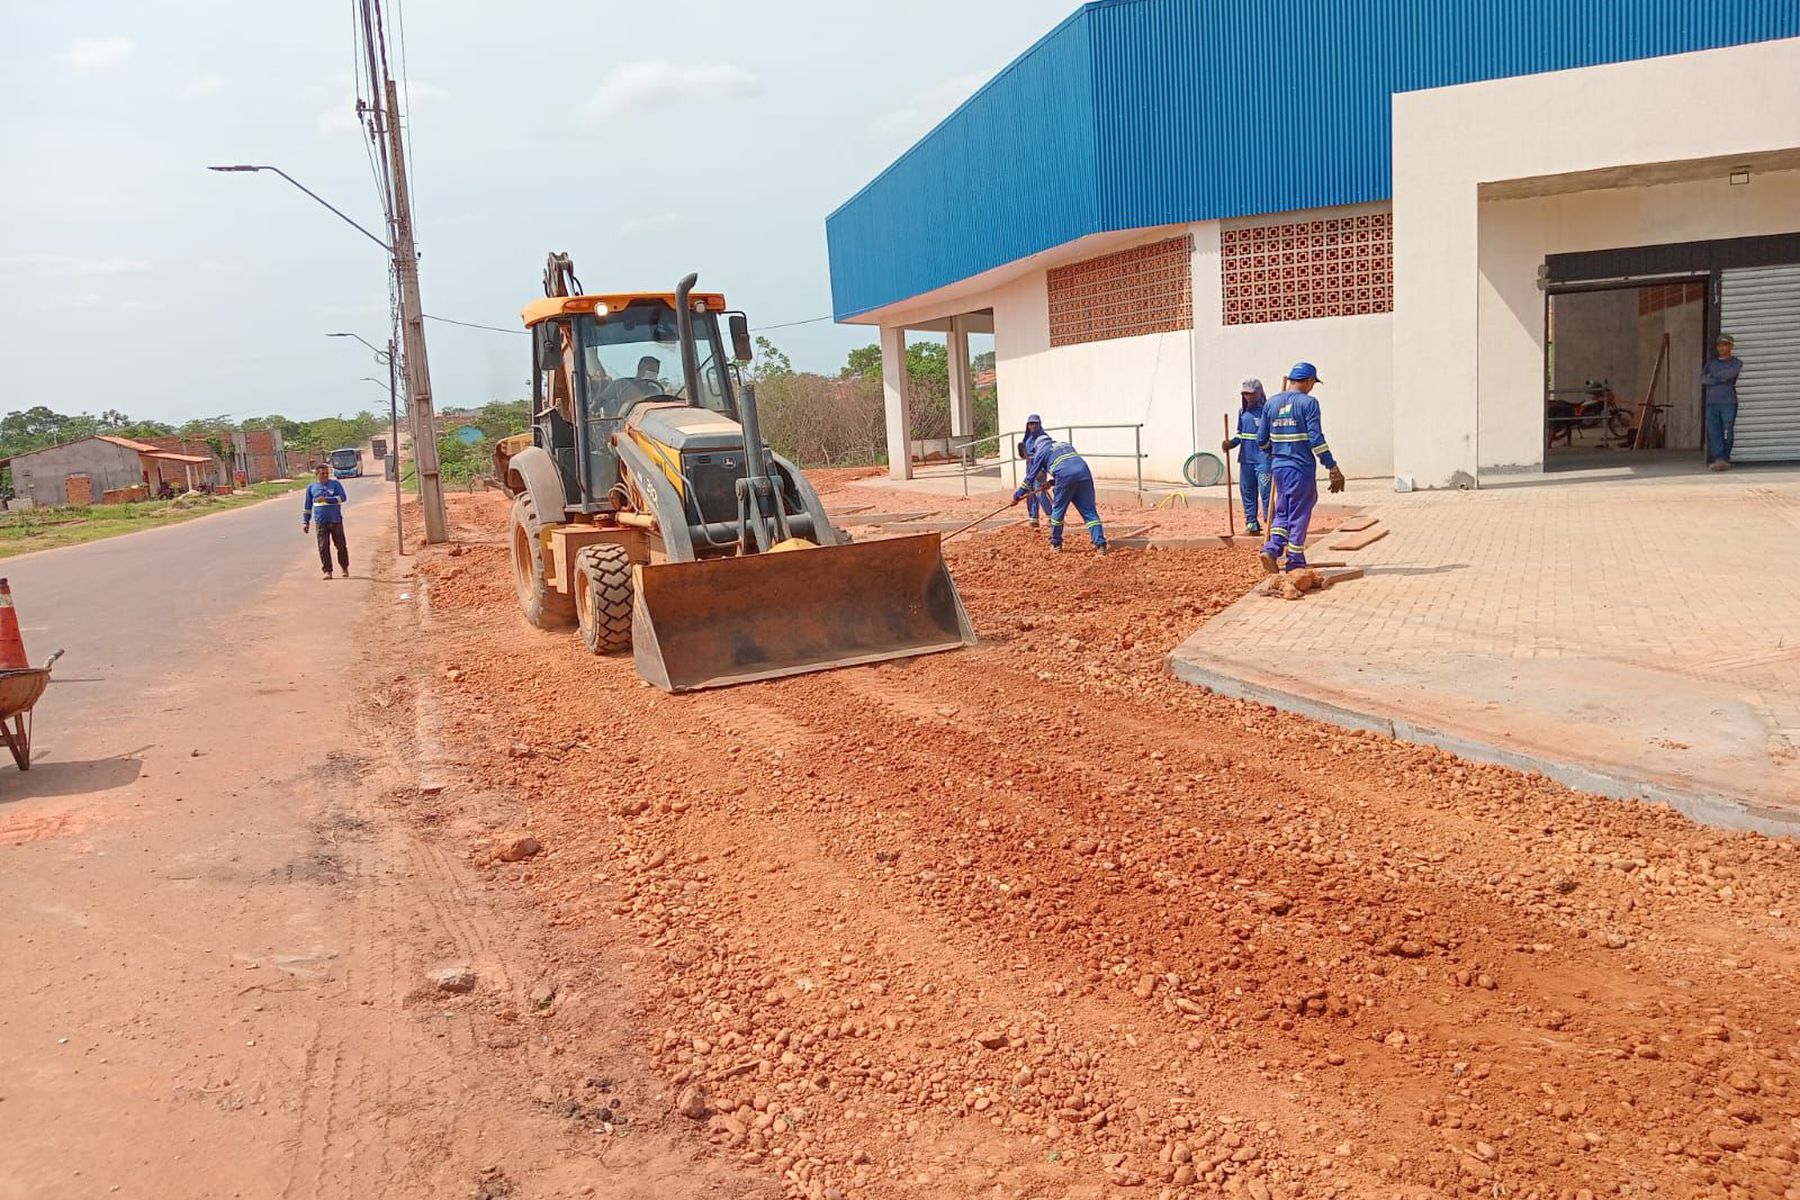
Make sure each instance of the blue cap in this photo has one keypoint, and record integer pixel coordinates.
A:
(1302, 371)
(1034, 419)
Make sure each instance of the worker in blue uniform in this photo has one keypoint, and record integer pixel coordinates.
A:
(1718, 388)
(1292, 438)
(1253, 464)
(324, 508)
(1038, 498)
(1071, 483)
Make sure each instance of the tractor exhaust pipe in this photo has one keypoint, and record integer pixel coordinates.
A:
(684, 331)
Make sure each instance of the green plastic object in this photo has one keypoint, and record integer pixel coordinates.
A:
(1203, 469)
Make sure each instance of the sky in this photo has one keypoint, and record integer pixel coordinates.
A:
(132, 278)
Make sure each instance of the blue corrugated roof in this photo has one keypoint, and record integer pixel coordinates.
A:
(1135, 113)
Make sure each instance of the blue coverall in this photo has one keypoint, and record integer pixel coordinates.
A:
(1291, 437)
(1253, 466)
(1035, 498)
(1071, 483)
(1718, 388)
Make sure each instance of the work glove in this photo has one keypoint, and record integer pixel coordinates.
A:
(1337, 480)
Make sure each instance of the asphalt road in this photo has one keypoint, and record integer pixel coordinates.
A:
(135, 612)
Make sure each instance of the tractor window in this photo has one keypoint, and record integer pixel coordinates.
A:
(635, 353)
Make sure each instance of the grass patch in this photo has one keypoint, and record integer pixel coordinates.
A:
(29, 529)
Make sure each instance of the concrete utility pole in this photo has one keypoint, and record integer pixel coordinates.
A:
(412, 334)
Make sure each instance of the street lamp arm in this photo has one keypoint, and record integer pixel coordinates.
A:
(343, 216)
(381, 356)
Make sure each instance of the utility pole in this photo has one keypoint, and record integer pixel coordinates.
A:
(393, 462)
(412, 334)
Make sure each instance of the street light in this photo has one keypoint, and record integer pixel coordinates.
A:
(380, 354)
(403, 255)
(387, 356)
(328, 204)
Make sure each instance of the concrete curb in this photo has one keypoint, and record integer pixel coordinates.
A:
(1724, 812)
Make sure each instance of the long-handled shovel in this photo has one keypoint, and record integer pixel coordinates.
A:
(988, 516)
(1230, 512)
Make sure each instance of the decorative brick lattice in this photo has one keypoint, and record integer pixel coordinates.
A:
(1335, 267)
(1146, 289)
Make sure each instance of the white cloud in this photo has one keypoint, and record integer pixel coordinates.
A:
(140, 306)
(924, 109)
(633, 87)
(84, 53)
(341, 117)
(69, 264)
(646, 224)
(205, 85)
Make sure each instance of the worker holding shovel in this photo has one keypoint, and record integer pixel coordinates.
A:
(1292, 438)
(1253, 464)
(1071, 484)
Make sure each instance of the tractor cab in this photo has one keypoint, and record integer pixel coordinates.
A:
(598, 359)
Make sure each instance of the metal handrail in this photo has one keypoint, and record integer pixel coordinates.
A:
(1009, 436)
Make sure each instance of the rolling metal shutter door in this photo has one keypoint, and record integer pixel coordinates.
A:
(1761, 308)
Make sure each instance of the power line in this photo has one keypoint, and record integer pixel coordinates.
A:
(472, 324)
(791, 324)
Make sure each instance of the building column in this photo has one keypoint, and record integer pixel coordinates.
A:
(962, 413)
(899, 406)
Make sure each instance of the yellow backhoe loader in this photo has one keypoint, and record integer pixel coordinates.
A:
(648, 512)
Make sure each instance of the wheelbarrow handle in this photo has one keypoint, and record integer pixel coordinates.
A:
(51, 661)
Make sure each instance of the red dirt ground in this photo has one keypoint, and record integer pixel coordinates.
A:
(1035, 919)
(845, 488)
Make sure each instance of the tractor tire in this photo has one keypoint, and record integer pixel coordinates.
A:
(603, 598)
(542, 604)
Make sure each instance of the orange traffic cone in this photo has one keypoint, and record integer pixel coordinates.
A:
(12, 646)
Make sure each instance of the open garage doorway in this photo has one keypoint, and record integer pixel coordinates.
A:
(1620, 371)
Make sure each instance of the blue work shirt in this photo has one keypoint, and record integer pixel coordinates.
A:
(1056, 459)
(324, 503)
(1249, 432)
(1718, 380)
(1290, 433)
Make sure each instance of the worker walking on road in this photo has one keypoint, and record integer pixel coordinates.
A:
(1253, 464)
(1293, 440)
(1071, 484)
(325, 499)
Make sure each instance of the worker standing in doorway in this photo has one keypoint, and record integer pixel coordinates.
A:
(325, 499)
(1253, 464)
(1292, 438)
(1718, 388)
(1071, 484)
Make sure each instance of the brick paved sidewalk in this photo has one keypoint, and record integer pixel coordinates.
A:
(1634, 637)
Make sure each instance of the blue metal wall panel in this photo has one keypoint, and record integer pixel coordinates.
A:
(1005, 175)
(1138, 113)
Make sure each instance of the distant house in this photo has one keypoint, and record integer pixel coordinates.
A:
(196, 447)
(85, 470)
(257, 454)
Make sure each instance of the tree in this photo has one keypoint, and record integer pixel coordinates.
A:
(863, 363)
(769, 363)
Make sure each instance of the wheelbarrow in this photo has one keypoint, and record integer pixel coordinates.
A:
(20, 689)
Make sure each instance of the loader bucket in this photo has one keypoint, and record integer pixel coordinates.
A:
(732, 620)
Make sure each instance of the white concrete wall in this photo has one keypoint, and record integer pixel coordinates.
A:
(1515, 236)
(1181, 385)
(1352, 353)
(1468, 319)
(1144, 380)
